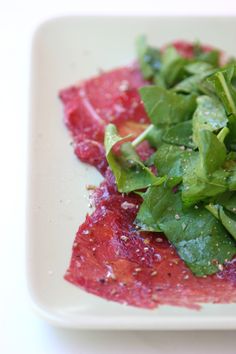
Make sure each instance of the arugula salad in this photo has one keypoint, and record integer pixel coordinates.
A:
(188, 185)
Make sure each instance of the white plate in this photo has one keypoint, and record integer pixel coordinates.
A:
(64, 51)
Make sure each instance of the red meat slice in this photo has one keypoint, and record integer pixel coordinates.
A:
(110, 97)
(92, 152)
(114, 260)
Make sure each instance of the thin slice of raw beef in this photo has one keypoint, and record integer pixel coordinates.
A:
(110, 97)
(111, 258)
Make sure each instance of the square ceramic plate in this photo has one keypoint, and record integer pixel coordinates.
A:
(66, 50)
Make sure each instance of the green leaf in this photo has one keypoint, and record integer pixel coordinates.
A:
(198, 67)
(111, 138)
(232, 178)
(231, 138)
(130, 173)
(171, 161)
(212, 152)
(154, 206)
(227, 200)
(173, 67)
(231, 158)
(220, 84)
(192, 83)
(159, 80)
(204, 176)
(128, 153)
(209, 115)
(154, 137)
(199, 238)
(179, 134)
(228, 220)
(230, 167)
(212, 57)
(170, 55)
(197, 188)
(149, 58)
(165, 107)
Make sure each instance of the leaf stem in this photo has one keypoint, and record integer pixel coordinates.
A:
(213, 209)
(142, 136)
(222, 134)
(227, 92)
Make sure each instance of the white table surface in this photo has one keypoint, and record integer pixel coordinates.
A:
(21, 331)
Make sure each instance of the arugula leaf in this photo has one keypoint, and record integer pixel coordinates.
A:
(170, 55)
(111, 138)
(220, 84)
(179, 134)
(204, 176)
(227, 219)
(130, 173)
(212, 57)
(198, 67)
(199, 238)
(192, 84)
(176, 69)
(230, 166)
(173, 66)
(149, 58)
(227, 200)
(171, 160)
(154, 137)
(232, 180)
(212, 151)
(166, 107)
(209, 115)
(231, 138)
(159, 80)
(128, 152)
(231, 158)
(154, 206)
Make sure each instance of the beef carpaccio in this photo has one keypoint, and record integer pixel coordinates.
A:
(111, 257)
